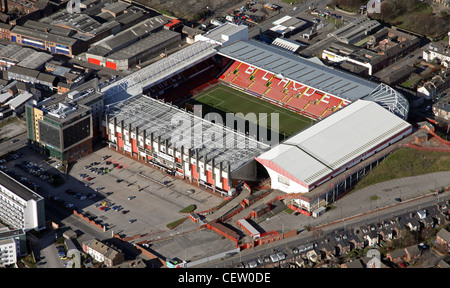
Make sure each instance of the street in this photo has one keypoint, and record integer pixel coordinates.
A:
(354, 210)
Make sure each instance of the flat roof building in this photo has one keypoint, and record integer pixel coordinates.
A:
(12, 245)
(134, 45)
(224, 34)
(355, 31)
(287, 25)
(20, 207)
(63, 126)
(56, 41)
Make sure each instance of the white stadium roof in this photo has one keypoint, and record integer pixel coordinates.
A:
(330, 144)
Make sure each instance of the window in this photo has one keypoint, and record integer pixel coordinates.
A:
(283, 180)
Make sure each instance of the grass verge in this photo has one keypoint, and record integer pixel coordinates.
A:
(406, 162)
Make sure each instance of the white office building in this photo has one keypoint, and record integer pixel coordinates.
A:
(20, 207)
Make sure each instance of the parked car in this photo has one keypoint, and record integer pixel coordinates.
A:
(132, 220)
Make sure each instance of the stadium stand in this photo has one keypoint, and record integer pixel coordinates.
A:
(299, 84)
(281, 91)
(186, 83)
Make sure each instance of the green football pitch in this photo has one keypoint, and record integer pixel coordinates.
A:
(223, 99)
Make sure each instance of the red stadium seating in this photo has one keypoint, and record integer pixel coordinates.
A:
(292, 95)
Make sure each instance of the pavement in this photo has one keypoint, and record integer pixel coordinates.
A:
(415, 192)
(357, 203)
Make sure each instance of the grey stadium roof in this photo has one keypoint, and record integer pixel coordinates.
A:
(135, 83)
(321, 77)
(167, 121)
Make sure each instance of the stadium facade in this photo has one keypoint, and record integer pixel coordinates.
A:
(332, 146)
(182, 144)
(137, 125)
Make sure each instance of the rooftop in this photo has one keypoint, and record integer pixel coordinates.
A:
(222, 33)
(181, 128)
(37, 34)
(61, 108)
(18, 189)
(320, 77)
(136, 82)
(145, 44)
(318, 149)
(287, 23)
(299, 69)
(114, 42)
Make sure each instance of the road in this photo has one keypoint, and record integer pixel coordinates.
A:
(414, 191)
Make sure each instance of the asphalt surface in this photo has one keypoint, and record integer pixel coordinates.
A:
(356, 209)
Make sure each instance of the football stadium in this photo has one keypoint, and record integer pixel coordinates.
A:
(333, 127)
